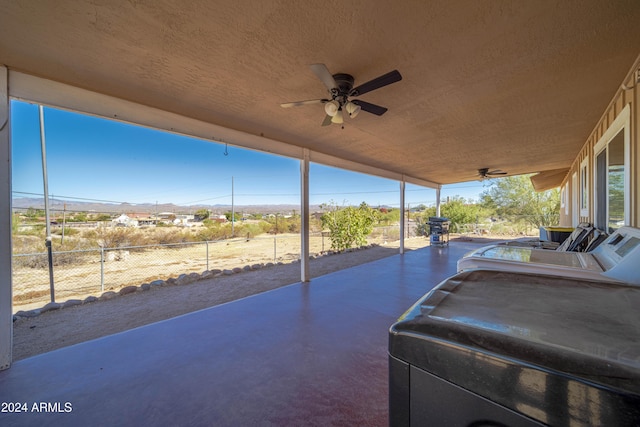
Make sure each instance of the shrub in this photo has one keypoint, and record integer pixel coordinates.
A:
(164, 237)
(389, 216)
(36, 255)
(33, 230)
(118, 237)
(251, 230)
(213, 231)
(349, 226)
(280, 224)
(68, 231)
(15, 223)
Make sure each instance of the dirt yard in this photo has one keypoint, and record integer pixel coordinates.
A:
(88, 276)
(72, 325)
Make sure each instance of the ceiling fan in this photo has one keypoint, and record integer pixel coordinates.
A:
(340, 87)
(486, 173)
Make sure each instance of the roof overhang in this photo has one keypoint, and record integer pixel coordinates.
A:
(499, 85)
(548, 179)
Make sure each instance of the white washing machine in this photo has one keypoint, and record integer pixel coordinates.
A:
(616, 259)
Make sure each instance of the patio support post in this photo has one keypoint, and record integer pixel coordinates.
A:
(6, 315)
(304, 217)
(402, 216)
(438, 200)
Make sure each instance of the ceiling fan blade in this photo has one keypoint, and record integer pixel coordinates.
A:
(324, 75)
(486, 173)
(370, 108)
(327, 120)
(299, 103)
(377, 83)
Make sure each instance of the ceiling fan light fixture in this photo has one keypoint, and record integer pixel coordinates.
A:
(331, 108)
(352, 109)
(337, 118)
(341, 87)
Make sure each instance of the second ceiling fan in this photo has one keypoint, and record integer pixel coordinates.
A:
(341, 90)
(484, 173)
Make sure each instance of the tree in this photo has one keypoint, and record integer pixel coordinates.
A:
(460, 212)
(201, 214)
(514, 198)
(349, 226)
(457, 210)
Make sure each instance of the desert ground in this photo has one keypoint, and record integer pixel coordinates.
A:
(87, 276)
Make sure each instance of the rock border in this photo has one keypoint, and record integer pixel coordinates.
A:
(181, 280)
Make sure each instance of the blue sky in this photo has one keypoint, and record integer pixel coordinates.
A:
(103, 160)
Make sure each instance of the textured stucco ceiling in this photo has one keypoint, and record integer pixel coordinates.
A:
(515, 85)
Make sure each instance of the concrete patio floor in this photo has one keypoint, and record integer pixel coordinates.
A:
(307, 354)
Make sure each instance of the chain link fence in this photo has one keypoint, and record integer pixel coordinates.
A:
(80, 273)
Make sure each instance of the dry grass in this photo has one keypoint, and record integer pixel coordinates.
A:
(91, 277)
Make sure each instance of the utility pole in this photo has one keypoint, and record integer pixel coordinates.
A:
(46, 202)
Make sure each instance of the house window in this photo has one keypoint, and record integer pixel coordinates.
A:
(611, 183)
(584, 188)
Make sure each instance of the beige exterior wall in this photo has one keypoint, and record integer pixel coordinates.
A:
(627, 95)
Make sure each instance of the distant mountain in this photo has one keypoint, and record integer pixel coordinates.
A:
(58, 205)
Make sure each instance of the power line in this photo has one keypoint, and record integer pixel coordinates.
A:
(70, 197)
(337, 193)
(210, 198)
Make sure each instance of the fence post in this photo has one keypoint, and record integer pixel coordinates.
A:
(50, 258)
(101, 269)
(207, 244)
(274, 250)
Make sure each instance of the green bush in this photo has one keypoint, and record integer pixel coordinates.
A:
(349, 226)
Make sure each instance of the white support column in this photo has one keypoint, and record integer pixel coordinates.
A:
(402, 216)
(304, 217)
(438, 200)
(6, 315)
